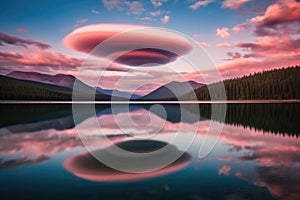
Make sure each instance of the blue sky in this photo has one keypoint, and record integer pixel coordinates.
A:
(241, 37)
(50, 20)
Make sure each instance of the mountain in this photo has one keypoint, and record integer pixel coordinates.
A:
(17, 89)
(118, 94)
(68, 82)
(172, 91)
(58, 79)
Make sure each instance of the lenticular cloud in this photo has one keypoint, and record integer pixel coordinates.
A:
(129, 44)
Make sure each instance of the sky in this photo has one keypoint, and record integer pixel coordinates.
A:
(240, 37)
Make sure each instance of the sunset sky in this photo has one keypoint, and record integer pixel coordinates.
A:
(241, 37)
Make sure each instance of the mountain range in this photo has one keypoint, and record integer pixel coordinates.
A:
(19, 85)
(172, 91)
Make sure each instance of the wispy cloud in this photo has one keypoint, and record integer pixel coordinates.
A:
(146, 18)
(13, 40)
(134, 7)
(233, 55)
(224, 45)
(113, 4)
(155, 13)
(22, 30)
(200, 3)
(234, 4)
(158, 3)
(203, 44)
(96, 12)
(38, 57)
(81, 22)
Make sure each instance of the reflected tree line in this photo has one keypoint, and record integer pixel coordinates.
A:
(276, 118)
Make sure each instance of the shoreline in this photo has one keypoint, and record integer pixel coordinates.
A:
(151, 102)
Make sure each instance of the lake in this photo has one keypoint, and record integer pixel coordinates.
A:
(253, 153)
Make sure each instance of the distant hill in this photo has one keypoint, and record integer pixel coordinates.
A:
(274, 84)
(58, 79)
(172, 91)
(16, 89)
(68, 81)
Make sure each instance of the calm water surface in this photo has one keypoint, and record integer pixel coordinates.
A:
(257, 155)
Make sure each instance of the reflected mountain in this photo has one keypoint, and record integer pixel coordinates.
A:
(187, 113)
(87, 167)
(36, 117)
(20, 118)
(274, 118)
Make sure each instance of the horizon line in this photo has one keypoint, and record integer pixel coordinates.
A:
(149, 102)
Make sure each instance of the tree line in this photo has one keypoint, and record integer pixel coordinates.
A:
(13, 89)
(275, 84)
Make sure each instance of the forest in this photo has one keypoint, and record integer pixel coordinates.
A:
(275, 84)
(14, 89)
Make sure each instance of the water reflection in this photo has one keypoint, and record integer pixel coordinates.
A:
(19, 118)
(276, 158)
(257, 155)
(277, 118)
(89, 168)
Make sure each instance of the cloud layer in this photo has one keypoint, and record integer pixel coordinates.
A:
(13, 40)
(276, 41)
(128, 44)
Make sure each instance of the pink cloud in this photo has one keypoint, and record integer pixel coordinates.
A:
(165, 19)
(113, 4)
(203, 44)
(281, 17)
(276, 44)
(21, 30)
(39, 57)
(158, 3)
(223, 32)
(233, 56)
(225, 158)
(240, 27)
(234, 4)
(13, 40)
(224, 45)
(277, 17)
(276, 160)
(150, 56)
(155, 13)
(244, 66)
(224, 170)
(33, 54)
(135, 7)
(35, 147)
(282, 46)
(87, 167)
(200, 3)
(145, 47)
(132, 7)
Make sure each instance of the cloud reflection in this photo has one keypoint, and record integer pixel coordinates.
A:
(87, 167)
